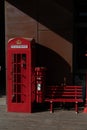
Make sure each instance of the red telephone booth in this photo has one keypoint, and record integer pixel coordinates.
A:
(20, 75)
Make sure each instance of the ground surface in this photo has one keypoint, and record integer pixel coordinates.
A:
(59, 120)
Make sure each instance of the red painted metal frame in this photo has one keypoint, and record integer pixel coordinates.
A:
(85, 108)
(25, 93)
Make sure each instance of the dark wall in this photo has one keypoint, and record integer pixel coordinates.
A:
(80, 35)
(57, 67)
(2, 48)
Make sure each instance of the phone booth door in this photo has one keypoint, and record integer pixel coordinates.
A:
(19, 77)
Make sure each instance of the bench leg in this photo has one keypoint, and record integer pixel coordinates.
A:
(51, 107)
(76, 107)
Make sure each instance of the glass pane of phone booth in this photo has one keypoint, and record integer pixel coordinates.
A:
(18, 78)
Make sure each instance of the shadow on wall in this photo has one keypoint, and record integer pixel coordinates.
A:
(57, 67)
(56, 15)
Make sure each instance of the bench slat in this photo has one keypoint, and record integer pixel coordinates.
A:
(64, 100)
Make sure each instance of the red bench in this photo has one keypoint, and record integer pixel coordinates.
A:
(63, 94)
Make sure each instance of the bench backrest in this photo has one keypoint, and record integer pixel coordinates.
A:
(53, 92)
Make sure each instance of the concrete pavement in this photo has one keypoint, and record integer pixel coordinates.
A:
(59, 120)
